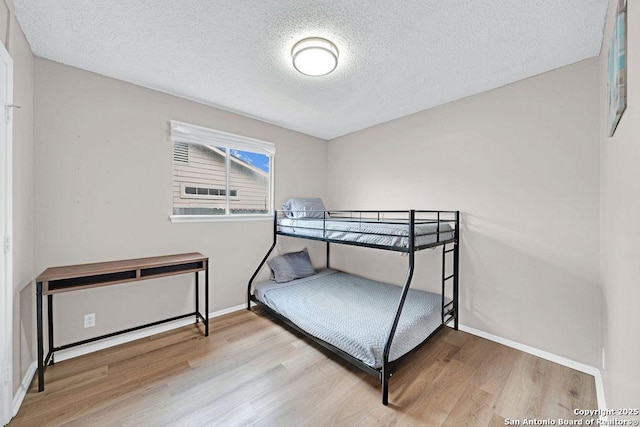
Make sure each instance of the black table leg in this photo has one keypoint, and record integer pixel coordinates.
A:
(206, 299)
(197, 298)
(40, 344)
(50, 325)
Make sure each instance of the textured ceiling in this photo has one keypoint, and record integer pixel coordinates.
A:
(396, 57)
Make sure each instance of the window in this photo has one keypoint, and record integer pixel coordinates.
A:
(193, 190)
(220, 175)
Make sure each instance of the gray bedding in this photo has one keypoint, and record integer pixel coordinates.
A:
(372, 233)
(354, 313)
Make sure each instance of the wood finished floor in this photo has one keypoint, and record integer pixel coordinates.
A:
(252, 371)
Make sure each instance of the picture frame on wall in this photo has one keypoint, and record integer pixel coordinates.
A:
(617, 68)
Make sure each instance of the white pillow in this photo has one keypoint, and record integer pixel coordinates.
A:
(304, 208)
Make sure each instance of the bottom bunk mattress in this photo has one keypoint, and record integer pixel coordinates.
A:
(354, 314)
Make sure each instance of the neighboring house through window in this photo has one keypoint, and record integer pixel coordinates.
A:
(217, 174)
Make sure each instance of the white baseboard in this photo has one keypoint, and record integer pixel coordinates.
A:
(590, 370)
(602, 404)
(24, 386)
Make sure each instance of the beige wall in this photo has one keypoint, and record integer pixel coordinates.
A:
(620, 232)
(103, 190)
(522, 164)
(23, 301)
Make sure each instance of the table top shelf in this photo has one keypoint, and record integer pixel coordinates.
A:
(76, 277)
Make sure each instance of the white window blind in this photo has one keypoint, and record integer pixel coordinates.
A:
(192, 134)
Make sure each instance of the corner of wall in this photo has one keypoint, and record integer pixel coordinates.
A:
(23, 236)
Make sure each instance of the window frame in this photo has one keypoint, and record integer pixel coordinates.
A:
(198, 135)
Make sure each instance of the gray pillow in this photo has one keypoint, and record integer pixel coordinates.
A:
(304, 208)
(294, 265)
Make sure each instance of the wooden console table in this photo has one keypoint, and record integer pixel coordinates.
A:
(75, 277)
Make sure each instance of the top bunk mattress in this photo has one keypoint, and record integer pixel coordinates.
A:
(354, 314)
(383, 233)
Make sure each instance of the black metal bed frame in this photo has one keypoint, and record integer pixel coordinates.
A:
(449, 311)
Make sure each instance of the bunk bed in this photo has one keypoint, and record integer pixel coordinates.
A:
(373, 325)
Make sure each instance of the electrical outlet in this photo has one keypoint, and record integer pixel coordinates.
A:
(89, 320)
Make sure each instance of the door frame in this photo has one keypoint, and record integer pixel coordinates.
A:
(6, 244)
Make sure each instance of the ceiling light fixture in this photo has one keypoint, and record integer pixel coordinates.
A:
(315, 56)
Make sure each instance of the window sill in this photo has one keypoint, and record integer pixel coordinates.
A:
(219, 218)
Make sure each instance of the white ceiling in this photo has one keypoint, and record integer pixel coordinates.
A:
(396, 57)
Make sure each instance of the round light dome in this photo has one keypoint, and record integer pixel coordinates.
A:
(315, 56)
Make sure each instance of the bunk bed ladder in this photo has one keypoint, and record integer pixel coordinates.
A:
(456, 275)
(450, 310)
